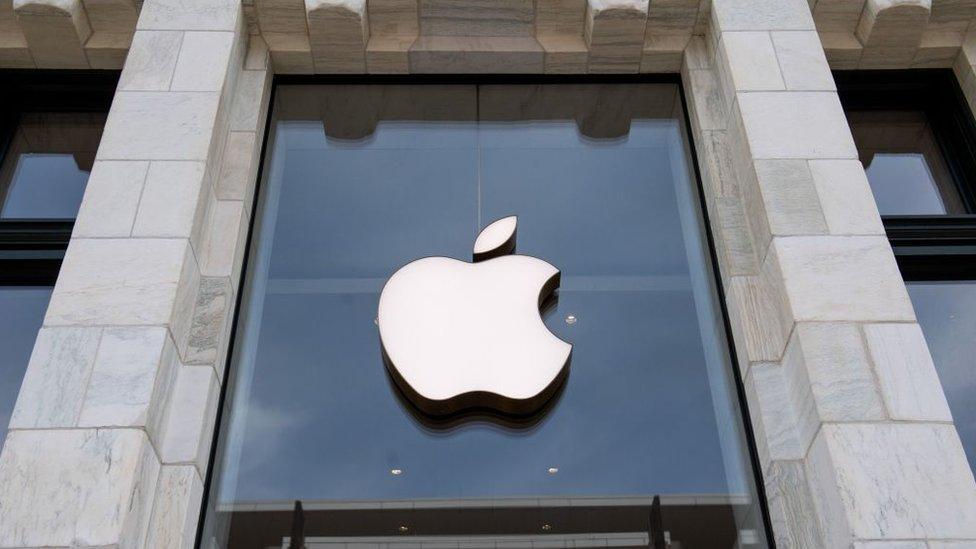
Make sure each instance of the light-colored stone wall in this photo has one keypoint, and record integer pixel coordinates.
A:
(110, 437)
(855, 438)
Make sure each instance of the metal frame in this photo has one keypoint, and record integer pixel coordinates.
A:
(927, 247)
(31, 250)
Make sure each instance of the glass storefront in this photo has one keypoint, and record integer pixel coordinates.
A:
(643, 444)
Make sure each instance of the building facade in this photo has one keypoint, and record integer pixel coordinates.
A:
(136, 412)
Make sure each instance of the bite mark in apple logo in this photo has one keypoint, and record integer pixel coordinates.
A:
(458, 336)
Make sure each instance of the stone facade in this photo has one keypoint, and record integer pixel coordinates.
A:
(109, 442)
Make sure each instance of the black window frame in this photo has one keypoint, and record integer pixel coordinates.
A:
(927, 247)
(31, 250)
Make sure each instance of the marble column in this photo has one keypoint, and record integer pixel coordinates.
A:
(855, 438)
(109, 440)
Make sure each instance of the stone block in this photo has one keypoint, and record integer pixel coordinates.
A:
(837, 15)
(176, 510)
(204, 60)
(151, 61)
(172, 201)
(829, 377)
(564, 54)
(802, 61)
(56, 32)
(791, 508)
(749, 60)
(795, 125)
(891, 31)
(909, 382)
(707, 102)
(760, 305)
(782, 200)
(559, 17)
(78, 488)
(188, 426)
(250, 101)
(112, 15)
(114, 186)
(846, 198)
(614, 33)
(769, 394)
(672, 17)
(53, 389)
(763, 15)
(211, 314)
(463, 54)
(107, 50)
(239, 167)
(257, 55)
(159, 126)
(118, 282)
(860, 480)
(281, 16)
(389, 54)
(224, 239)
(851, 278)
(133, 370)
(338, 31)
(14, 53)
(195, 15)
(393, 18)
(290, 53)
(842, 49)
(476, 17)
(663, 53)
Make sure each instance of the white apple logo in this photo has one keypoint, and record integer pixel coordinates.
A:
(458, 335)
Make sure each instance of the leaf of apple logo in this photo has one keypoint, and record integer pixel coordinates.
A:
(457, 336)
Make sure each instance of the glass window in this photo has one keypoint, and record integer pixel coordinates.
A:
(904, 164)
(23, 310)
(946, 311)
(46, 166)
(361, 180)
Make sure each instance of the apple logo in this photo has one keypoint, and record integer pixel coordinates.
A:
(458, 336)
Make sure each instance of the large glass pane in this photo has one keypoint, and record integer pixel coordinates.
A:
(947, 313)
(904, 164)
(46, 167)
(21, 313)
(361, 180)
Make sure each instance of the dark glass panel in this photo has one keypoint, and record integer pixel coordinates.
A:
(947, 313)
(21, 313)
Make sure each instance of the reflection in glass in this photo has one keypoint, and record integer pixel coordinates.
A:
(363, 179)
(904, 164)
(46, 167)
(947, 314)
(21, 313)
